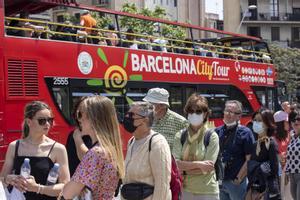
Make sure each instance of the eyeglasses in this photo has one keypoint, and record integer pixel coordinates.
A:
(296, 119)
(43, 121)
(131, 114)
(191, 111)
(79, 114)
(228, 112)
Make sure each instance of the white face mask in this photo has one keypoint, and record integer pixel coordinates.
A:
(230, 124)
(258, 127)
(195, 119)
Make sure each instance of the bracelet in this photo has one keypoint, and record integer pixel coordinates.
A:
(42, 189)
(6, 180)
(39, 189)
(60, 196)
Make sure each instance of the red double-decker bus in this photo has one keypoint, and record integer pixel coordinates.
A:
(60, 72)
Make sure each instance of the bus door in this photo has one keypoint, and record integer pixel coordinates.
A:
(265, 96)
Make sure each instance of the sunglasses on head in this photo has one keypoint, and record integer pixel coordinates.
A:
(43, 121)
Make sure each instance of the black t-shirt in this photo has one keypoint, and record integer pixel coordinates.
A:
(269, 155)
(71, 150)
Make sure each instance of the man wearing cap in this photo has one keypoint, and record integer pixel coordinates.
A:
(166, 122)
(87, 21)
(236, 142)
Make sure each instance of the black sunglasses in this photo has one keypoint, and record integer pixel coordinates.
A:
(43, 121)
(79, 115)
(191, 111)
(296, 119)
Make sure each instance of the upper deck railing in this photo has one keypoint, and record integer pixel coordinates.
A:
(44, 30)
(208, 49)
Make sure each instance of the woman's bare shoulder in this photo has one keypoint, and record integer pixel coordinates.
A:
(59, 147)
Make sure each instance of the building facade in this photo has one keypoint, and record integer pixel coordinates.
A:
(273, 20)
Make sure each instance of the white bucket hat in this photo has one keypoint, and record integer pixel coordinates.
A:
(157, 95)
(281, 116)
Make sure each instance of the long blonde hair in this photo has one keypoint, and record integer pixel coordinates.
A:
(102, 114)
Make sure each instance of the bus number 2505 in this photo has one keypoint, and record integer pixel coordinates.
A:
(60, 81)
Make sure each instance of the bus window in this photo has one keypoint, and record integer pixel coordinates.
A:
(61, 97)
(175, 99)
(217, 104)
(217, 95)
(270, 98)
(262, 97)
(189, 91)
(236, 94)
(265, 96)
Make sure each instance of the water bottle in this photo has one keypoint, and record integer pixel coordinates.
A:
(53, 175)
(25, 168)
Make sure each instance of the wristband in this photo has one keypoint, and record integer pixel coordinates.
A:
(39, 189)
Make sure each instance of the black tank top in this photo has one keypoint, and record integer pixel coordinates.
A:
(40, 167)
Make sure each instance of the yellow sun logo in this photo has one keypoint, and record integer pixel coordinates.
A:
(115, 77)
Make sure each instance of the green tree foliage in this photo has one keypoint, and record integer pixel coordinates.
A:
(287, 64)
(150, 27)
(103, 20)
(71, 18)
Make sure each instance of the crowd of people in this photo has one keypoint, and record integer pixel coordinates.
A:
(88, 32)
(257, 162)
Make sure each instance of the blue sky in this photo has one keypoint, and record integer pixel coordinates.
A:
(214, 6)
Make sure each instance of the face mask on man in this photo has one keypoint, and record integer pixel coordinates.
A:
(128, 124)
(230, 124)
(195, 119)
(258, 127)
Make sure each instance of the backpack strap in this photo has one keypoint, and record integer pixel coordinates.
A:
(17, 148)
(207, 136)
(131, 140)
(183, 136)
(150, 141)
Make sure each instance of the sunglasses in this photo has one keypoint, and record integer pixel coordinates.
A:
(43, 121)
(79, 115)
(131, 114)
(296, 119)
(191, 111)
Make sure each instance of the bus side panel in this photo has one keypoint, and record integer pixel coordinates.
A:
(2, 95)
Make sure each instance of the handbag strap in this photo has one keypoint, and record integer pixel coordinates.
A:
(16, 155)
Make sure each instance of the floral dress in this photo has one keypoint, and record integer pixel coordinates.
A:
(97, 173)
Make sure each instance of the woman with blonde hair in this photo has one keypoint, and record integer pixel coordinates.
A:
(42, 151)
(102, 166)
